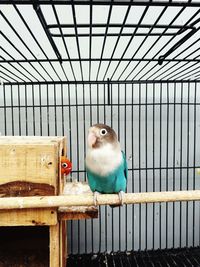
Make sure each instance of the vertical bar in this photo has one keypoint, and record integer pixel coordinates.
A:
(55, 109)
(100, 208)
(19, 109)
(48, 122)
(153, 213)
(84, 148)
(100, 220)
(12, 113)
(26, 115)
(97, 103)
(91, 122)
(33, 102)
(84, 136)
(160, 163)
(139, 156)
(181, 162)
(71, 155)
(5, 116)
(90, 92)
(119, 126)
(146, 160)
(77, 130)
(108, 86)
(194, 163)
(125, 144)
(77, 153)
(40, 104)
(104, 102)
(167, 163)
(111, 124)
(69, 118)
(90, 43)
(188, 158)
(174, 162)
(133, 172)
(62, 113)
(106, 208)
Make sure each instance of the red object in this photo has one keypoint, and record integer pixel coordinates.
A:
(66, 165)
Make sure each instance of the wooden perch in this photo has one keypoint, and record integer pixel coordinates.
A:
(104, 199)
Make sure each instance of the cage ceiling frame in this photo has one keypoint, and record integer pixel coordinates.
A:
(162, 48)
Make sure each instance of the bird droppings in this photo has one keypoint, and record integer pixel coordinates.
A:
(76, 188)
(21, 203)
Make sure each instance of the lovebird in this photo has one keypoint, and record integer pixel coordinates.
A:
(106, 164)
(66, 165)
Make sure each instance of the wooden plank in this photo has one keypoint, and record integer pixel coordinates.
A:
(77, 213)
(24, 188)
(61, 178)
(54, 246)
(63, 243)
(32, 163)
(29, 165)
(32, 139)
(28, 217)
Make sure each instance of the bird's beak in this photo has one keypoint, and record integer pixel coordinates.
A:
(91, 138)
(69, 169)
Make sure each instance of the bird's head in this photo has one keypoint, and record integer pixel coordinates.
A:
(66, 165)
(100, 135)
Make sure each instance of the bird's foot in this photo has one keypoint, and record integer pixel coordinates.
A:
(121, 197)
(95, 195)
(121, 200)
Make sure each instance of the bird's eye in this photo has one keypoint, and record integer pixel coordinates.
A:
(64, 165)
(103, 132)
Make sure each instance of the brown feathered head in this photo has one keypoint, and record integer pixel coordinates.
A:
(101, 134)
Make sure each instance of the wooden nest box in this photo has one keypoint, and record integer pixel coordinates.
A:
(30, 166)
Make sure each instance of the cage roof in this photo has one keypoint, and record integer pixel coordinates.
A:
(44, 41)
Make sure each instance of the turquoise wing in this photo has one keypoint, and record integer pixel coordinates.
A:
(91, 180)
(125, 165)
(121, 176)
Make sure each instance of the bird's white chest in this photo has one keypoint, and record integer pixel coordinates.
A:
(103, 160)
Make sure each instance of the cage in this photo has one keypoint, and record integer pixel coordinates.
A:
(134, 65)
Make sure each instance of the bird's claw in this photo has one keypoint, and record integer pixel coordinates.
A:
(121, 197)
(95, 198)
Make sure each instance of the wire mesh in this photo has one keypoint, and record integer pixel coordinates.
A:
(157, 124)
(70, 41)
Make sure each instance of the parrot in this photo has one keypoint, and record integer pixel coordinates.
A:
(106, 165)
(66, 165)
